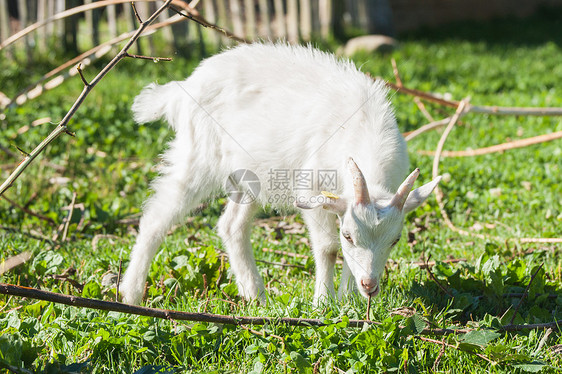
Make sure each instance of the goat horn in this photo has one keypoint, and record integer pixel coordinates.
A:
(359, 184)
(402, 194)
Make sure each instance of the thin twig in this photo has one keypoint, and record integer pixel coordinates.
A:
(155, 59)
(201, 21)
(520, 143)
(136, 12)
(69, 218)
(118, 280)
(79, 69)
(396, 73)
(430, 126)
(525, 294)
(430, 273)
(422, 109)
(455, 347)
(28, 211)
(439, 356)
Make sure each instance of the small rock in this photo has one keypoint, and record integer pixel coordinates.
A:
(369, 44)
(496, 192)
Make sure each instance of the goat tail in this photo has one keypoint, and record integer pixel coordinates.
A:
(153, 103)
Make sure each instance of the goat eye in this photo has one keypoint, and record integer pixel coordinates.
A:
(347, 237)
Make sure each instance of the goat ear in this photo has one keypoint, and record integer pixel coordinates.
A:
(337, 206)
(419, 195)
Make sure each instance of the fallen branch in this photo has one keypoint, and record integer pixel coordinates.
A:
(62, 126)
(482, 109)
(76, 301)
(14, 261)
(520, 143)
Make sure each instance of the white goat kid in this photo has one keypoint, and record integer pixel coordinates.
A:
(278, 108)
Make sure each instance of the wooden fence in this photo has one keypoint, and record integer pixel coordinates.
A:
(292, 20)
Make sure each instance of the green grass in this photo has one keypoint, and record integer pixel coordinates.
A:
(111, 161)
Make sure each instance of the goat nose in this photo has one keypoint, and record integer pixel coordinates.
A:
(369, 284)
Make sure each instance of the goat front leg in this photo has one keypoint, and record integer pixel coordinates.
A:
(172, 199)
(347, 284)
(323, 232)
(235, 228)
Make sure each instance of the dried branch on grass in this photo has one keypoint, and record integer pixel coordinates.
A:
(482, 109)
(33, 293)
(461, 109)
(14, 261)
(520, 143)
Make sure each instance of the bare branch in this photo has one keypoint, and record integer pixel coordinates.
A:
(28, 211)
(62, 126)
(155, 59)
(498, 147)
(10, 289)
(194, 16)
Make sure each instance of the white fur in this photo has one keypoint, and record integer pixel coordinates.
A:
(265, 107)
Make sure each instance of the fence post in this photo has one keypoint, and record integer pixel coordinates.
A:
(292, 21)
(305, 19)
(264, 19)
(250, 11)
(280, 20)
(4, 21)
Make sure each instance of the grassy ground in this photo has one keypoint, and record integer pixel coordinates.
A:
(110, 162)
